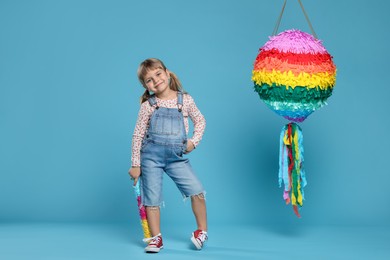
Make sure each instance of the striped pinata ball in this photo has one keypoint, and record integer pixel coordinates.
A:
(294, 74)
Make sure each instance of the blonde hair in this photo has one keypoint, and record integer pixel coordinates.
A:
(152, 64)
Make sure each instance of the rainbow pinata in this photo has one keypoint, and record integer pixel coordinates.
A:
(294, 74)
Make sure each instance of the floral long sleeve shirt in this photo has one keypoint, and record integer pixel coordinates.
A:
(189, 110)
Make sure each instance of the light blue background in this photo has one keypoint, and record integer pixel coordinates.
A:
(69, 99)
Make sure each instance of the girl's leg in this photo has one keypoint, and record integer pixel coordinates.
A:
(199, 208)
(180, 171)
(153, 216)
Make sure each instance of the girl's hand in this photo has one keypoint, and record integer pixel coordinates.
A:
(134, 173)
(190, 147)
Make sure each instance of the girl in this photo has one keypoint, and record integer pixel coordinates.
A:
(159, 142)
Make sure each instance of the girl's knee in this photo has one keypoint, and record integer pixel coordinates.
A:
(200, 196)
(152, 208)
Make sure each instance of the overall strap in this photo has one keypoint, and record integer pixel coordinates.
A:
(180, 100)
(152, 101)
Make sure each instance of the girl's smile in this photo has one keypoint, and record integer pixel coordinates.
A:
(157, 81)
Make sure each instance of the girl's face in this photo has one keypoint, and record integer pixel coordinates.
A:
(157, 81)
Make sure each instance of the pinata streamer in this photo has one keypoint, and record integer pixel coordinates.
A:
(142, 212)
(291, 170)
(294, 75)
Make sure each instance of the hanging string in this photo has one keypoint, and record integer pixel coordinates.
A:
(308, 21)
(276, 28)
(279, 19)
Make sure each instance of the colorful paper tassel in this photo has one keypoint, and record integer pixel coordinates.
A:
(291, 170)
(142, 212)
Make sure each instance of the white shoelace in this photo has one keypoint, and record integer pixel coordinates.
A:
(157, 237)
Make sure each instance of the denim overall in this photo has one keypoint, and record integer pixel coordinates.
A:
(162, 151)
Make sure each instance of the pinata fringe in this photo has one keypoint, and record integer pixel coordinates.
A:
(322, 80)
(291, 170)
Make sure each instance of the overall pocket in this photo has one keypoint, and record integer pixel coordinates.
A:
(166, 125)
(144, 145)
(179, 150)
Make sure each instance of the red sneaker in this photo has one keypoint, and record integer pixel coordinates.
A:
(155, 244)
(198, 238)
